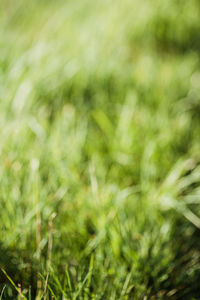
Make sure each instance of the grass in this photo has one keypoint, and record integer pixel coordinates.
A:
(99, 148)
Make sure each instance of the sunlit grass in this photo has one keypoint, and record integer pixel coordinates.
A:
(99, 147)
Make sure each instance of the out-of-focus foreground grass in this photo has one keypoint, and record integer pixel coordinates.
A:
(99, 120)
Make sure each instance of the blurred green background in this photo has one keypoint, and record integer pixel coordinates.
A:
(100, 125)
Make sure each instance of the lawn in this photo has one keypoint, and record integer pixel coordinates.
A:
(100, 149)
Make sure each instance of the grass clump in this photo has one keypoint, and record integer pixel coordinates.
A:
(99, 147)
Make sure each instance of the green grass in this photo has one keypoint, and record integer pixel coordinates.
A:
(100, 149)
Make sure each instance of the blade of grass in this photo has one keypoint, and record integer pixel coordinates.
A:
(2, 291)
(13, 284)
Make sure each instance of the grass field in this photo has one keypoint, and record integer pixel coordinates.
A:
(100, 149)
